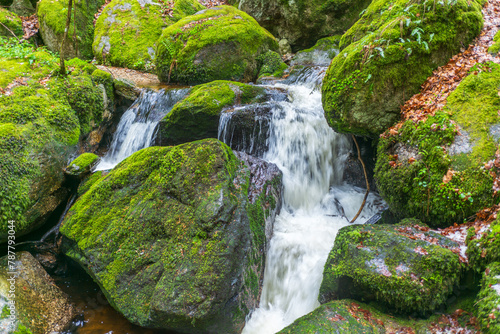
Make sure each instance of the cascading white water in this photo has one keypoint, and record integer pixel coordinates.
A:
(311, 156)
(136, 128)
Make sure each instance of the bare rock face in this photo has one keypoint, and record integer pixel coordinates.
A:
(40, 306)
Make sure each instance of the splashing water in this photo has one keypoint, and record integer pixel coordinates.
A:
(136, 129)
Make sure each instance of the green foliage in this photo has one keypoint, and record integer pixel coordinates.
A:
(217, 44)
(12, 22)
(488, 299)
(395, 46)
(495, 47)
(483, 248)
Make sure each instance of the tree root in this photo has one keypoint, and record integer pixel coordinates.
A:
(366, 179)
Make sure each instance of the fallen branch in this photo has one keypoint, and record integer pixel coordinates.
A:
(3, 25)
(366, 179)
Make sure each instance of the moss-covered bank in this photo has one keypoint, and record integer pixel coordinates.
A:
(12, 22)
(387, 55)
(434, 170)
(221, 43)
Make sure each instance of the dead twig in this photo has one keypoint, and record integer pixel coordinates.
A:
(3, 25)
(366, 179)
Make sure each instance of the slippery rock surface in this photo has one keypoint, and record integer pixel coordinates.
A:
(126, 32)
(176, 236)
(221, 43)
(41, 306)
(408, 267)
(387, 55)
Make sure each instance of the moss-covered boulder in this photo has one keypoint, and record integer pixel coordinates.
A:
(52, 15)
(221, 43)
(22, 7)
(387, 55)
(12, 22)
(483, 245)
(340, 316)
(488, 300)
(407, 267)
(303, 22)
(197, 115)
(435, 170)
(127, 30)
(271, 64)
(495, 47)
(321, 54)
(175, 236)
(39, 305)
(81, 166)
(39, 130)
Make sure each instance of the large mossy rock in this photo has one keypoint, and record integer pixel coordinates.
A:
(176, 236)
(221, 43)
(22, 7)
(435, 170)
(407, 267)
(488, 300)
(40, 126)
(340, 316)
(387, 55)
(52, 15)
(303, 22)
(197, 115)
(483, 246)
(40, 306)
(127, 30)
(12, 22)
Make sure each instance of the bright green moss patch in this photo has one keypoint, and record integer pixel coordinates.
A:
(12, 22)
(418, 187)
(387, 55)
(82, 164)
(488, 300)
(52, 15)
(127, 31)
(197, 115)
(77, 66)
(221, 43)
(271, 64)
(386, 263)
(495, 47)
(166, 236)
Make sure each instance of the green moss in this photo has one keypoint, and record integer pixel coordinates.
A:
(52, 15)
(12, 22)
(197, 115)
(484, 248)
(82, 164)
(387, 55)
(383, 261)
(495, 47)
(77, 66)
(169, 220)
(271, 64)
(418, 189)
(488, 300)
(106, 79)
(216, 44)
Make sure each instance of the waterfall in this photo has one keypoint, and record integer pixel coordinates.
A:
(136, 129)
(311, 156)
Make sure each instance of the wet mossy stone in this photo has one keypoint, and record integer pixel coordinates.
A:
(11, 21)
(39, 131)
(81, 166)
(411, 166)
(483, 247)
(173, 237)
(52, 15)
(41, 307)
(387, 55)
(387, 263)
(221, 43)
(488, 300)
(197, 115)
(271, 64)
(321, 54)
(127, 30)
(303, 22)
(339, 316)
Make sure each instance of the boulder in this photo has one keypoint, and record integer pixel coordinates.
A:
(301, 22)
(126, 89)
(81, 166)
(387, 55)
(271, 64)
(483, 245)
(221, 43)
(176, 236)
(197, 115)
(22, 7)
(127, 30)
(488, 300)
(441, 170)
(407, 267)
(321, 54)
(39, 130)
(40, 306)
(52, 16)
(12, 22)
